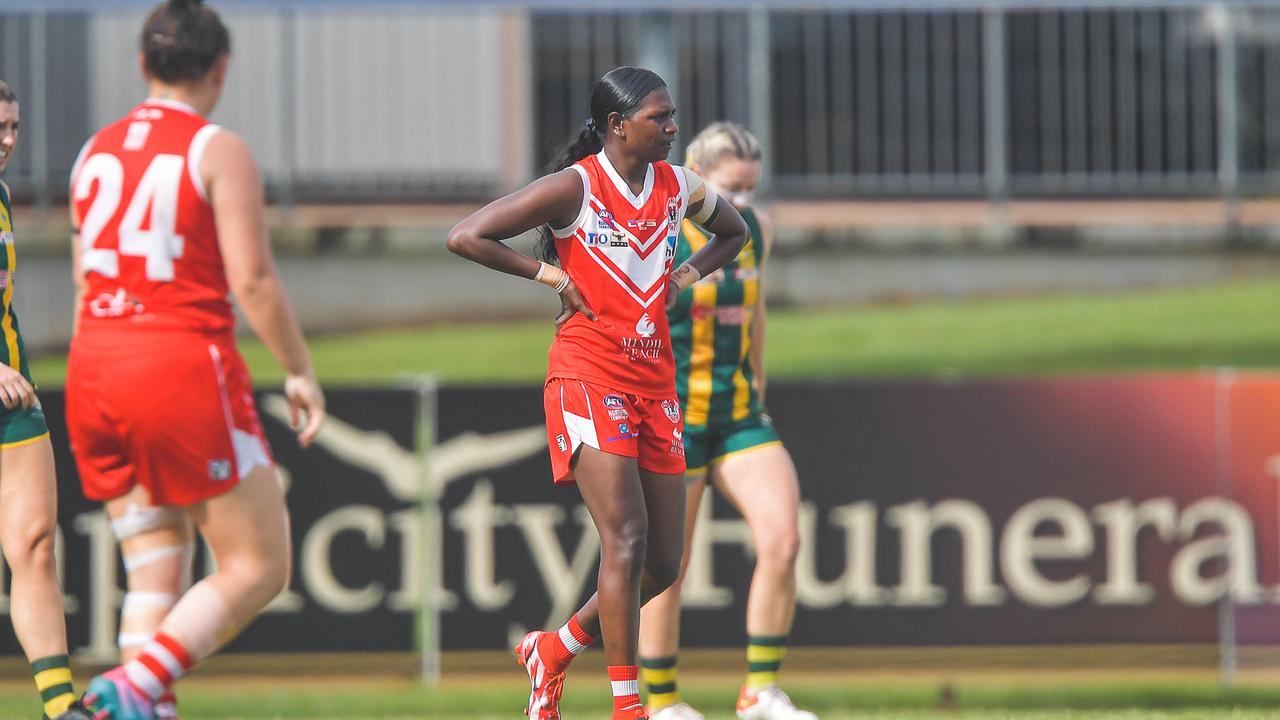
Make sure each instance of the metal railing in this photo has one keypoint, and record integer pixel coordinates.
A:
(908, 99)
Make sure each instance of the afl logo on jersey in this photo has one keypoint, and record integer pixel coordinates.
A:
(613, 402)
(671, 409)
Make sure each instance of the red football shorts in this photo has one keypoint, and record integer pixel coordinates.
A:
(581, 413)
(176, 417)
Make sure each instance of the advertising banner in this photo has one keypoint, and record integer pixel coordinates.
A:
(1111, 509)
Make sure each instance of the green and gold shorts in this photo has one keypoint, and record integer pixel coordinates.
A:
(706, 445)
(20, 427)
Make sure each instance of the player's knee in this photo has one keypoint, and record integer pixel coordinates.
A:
(664, 570)
(273, 571)
(29, 547)
(264, 569)
(626, 546)
(780, 548)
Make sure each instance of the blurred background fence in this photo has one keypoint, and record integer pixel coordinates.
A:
(383, 102)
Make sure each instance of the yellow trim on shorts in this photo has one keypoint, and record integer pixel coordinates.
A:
(696, 471)
(743, 451)
(23, 443)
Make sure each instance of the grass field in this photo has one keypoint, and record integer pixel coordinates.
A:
(1172, 329)
(490, 699)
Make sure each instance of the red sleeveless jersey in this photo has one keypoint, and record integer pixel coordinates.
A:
(619, 252)
(148, 244)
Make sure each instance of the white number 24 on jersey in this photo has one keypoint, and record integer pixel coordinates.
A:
(158, 189)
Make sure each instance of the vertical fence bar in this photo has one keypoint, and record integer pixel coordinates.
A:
(1175, 112)
(1126, 109)
(817, 148)
(1076, 95)
(288, 109)
(760, 67)
(893, 98)
(994, 55)
(1151, 61)
(1228, 124)
(969, 94)
(432, 533)
(839, 27)
(943, 75)
(919, 113)
(1101, 158)
(1271, 104)
(1051, 119)
(40, 174)
(869, 146)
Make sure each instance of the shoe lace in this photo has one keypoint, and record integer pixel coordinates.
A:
(551, 689)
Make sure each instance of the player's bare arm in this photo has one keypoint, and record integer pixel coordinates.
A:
(77, 274)
(236, 194)
(553, 200)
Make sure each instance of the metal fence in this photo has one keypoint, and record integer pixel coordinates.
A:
(425, 103)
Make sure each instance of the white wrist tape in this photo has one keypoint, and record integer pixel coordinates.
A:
(552, 277)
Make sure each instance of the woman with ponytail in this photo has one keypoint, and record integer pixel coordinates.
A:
(610, 213)
(718, 334)
(159, 403)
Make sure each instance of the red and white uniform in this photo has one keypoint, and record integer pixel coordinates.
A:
(611, 381)
(157, 393)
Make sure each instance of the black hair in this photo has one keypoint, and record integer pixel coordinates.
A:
(181, 41)
(621, 91)
(7, 94)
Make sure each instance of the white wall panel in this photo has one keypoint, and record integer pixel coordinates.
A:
(387, 95)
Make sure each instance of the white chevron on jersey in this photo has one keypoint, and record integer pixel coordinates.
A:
(640, 270)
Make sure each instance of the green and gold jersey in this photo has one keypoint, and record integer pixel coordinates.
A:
(711, 332)
(11, 350)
